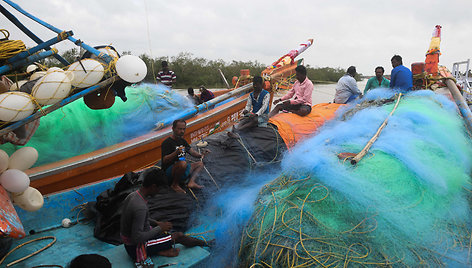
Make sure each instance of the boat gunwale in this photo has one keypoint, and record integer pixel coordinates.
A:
(37, 173)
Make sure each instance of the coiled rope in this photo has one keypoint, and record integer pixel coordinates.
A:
(9, 48)
(32, 254)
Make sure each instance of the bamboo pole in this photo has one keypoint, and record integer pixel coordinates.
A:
(224, 79)
(364, 151)
(461, 104)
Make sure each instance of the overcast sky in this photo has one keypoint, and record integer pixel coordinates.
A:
(345, 32)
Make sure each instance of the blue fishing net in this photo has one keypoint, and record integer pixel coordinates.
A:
(76, 129)
(406, 203)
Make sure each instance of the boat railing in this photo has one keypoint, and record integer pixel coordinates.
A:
(463, 77)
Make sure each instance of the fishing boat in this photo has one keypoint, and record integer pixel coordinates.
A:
(93, 169)
(136, 153)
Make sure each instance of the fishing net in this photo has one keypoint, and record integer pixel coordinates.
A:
(405, 204)
(75, 129)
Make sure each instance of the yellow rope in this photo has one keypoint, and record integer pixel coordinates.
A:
(9, 48)
(32, 254)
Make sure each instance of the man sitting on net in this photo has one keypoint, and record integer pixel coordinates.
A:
(302, 90)
(257, 108)
(174, 162)
(139, 238)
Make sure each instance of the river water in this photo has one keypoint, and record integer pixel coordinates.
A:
(322, 93)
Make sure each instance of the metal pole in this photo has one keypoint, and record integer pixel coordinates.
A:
(205, 106)
(57, 30)
(37, 48)
(224, 79)
(28, 60)
(30, 34)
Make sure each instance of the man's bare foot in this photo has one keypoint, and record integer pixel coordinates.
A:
(177, 188)
(172, 252)
(194, 185)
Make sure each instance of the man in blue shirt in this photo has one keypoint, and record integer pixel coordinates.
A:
(257, 108)
(401, 77)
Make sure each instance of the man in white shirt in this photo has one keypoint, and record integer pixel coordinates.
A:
(346, 89)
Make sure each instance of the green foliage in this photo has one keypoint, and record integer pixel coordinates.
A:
(194, 71)
(69, 55)
(325, 74)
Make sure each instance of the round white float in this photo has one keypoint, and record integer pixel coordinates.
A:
(30, 200)
(14, 180)
(37, 75)
(54, 69)
(31, 68)
(130, 68)
(23, 158)
(106, 50)
(15, 106)
(4, 160)
(52, 88)
(15, 87)
(92, 75)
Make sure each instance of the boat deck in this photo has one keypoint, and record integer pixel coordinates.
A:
(78, 239)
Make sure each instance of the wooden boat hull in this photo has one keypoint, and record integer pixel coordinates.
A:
(131, 155)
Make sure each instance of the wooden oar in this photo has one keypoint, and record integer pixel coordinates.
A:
(364, 151)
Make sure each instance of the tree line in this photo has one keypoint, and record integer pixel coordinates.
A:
(193, 71)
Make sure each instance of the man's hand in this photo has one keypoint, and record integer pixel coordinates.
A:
(276, 101)
(165, 226)
(180, 150)
(205, 151)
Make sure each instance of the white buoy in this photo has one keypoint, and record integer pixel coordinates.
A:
(106, 50)
(66, 223)
(16, 85)
(23, 158)
(15, 106)
(52, 88)
(87, 74)
(37, 75)
(30, 200)
(14, 180)
(54, 69)
(31, 68)
(4, 160)
(131, 68)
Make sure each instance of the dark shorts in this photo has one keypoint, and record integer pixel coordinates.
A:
(184, 177)
(153, 246)
(297, 108)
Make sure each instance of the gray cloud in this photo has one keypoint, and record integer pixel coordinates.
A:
(361, 33)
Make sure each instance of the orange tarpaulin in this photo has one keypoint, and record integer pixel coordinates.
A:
(294, 128)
